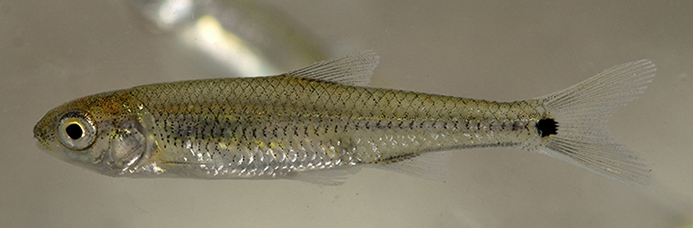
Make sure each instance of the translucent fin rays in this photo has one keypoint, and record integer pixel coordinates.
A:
(582, 112)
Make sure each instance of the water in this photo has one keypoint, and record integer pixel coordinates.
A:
(53, 52)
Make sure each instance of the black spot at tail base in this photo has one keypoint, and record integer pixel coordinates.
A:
(547, 127)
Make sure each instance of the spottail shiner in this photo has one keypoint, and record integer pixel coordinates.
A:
(314, 123)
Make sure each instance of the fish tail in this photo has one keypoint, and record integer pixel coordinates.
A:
(575, 127)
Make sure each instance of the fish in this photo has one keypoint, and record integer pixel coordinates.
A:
(318, 122)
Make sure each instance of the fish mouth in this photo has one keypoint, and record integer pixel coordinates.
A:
(41, 143)
(40, 134)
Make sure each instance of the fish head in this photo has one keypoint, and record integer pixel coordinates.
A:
(102, 132)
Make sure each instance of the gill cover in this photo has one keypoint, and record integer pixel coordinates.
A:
(128, 145)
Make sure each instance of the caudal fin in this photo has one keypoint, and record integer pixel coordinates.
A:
(581, 113)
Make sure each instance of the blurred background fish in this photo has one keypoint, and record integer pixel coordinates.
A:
(244, 37)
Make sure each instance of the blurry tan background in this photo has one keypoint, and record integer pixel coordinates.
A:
(55, 51)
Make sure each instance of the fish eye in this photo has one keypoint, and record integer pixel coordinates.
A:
(76, 131)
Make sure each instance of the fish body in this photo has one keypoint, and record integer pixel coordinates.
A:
(323, 118)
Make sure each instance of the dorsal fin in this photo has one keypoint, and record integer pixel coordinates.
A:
(354, 69)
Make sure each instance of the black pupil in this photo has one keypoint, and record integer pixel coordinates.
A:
(74, 131)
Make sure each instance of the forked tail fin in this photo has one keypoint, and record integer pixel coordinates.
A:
(581, 113)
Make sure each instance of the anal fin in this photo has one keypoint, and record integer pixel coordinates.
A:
(431, 166)
(327, 177)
